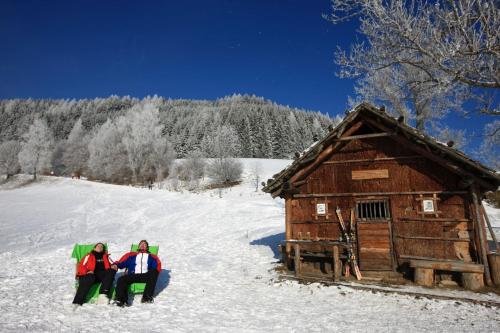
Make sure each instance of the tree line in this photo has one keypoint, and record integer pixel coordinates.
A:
(130, 140)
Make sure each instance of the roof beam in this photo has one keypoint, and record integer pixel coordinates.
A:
(365, 136)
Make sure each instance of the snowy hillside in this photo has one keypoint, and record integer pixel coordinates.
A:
(218, 256)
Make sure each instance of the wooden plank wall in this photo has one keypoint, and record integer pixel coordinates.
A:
(407, 172)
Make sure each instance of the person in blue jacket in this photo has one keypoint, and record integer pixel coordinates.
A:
(141, 266)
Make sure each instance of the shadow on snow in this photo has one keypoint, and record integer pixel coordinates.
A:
(272, 241)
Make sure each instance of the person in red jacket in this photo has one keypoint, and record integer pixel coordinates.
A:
(95, 267)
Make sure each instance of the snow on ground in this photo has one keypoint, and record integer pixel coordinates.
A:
(218, 263)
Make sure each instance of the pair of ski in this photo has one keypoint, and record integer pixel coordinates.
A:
(349, 237)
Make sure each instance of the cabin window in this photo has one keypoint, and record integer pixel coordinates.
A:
(372, 210)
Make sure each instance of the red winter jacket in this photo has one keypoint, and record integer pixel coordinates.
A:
(87, 264)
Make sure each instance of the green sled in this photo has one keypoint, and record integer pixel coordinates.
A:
(80, 251)
(138, 288)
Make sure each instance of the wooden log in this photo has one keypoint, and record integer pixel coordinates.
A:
(365, 136)
(288, 227)
(482, 242)
(434, 238)
(454, 266)
(297, 259)
(472, 281)
(372, 160)
(404, 256)
(424, 277)
(336, 264)
(351, 194)
(494, 261)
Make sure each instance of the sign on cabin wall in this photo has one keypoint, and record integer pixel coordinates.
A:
(369, 174)
(320, 209)
(428, 206)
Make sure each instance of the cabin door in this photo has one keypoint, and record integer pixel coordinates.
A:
(373, 223)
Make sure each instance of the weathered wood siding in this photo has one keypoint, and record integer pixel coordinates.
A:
(407, 233)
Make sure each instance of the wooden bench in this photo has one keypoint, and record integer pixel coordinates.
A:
(472, 274)
(336, 247)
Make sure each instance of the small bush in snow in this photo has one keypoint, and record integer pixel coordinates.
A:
(225, 170)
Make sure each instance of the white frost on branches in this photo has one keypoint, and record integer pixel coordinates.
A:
(36, 148)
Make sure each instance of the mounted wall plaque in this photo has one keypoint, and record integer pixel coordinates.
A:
(321, 209)
(369, 174)
(428, 206)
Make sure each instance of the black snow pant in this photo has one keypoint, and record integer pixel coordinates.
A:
(126, 280)
(85, 282)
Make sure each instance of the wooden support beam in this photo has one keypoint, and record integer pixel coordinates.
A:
(365, 136)
(374, 194)
(404, 256)
(434, 238)
(379, 159)
(288, 226)
(299, 183)
(336, 263)
(482, 242)
(453, 266)
(472, 281)
(432, 219)
(297, 259)
(424, 277)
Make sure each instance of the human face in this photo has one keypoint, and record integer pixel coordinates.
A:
(143, 246)
(99, 248)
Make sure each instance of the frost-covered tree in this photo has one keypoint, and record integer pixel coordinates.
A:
(490, 147)
(57, 163)
(256, 174)
(161, 157)
(144, 142)
(224, 145)
(9, 162)
(447, 41)
(193, 166)
(446, 49)
(225, 170)
(107, 154)
(403, 91)
(187, 124)
(76, 151)
(445, 134)
(36, 148)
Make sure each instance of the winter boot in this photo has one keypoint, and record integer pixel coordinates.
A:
(147, 299)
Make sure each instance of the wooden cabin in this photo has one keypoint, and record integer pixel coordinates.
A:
(410, 205)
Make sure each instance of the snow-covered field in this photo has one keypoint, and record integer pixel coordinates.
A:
(218, 263)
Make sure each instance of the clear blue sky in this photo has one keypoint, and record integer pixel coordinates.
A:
(281, 50)
(278, 49)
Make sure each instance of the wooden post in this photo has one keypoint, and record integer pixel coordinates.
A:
(482, 241)
(494, 261)
(288, 231)
(336, 263)
(472, 281)
(424, 276)
(297, 260)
